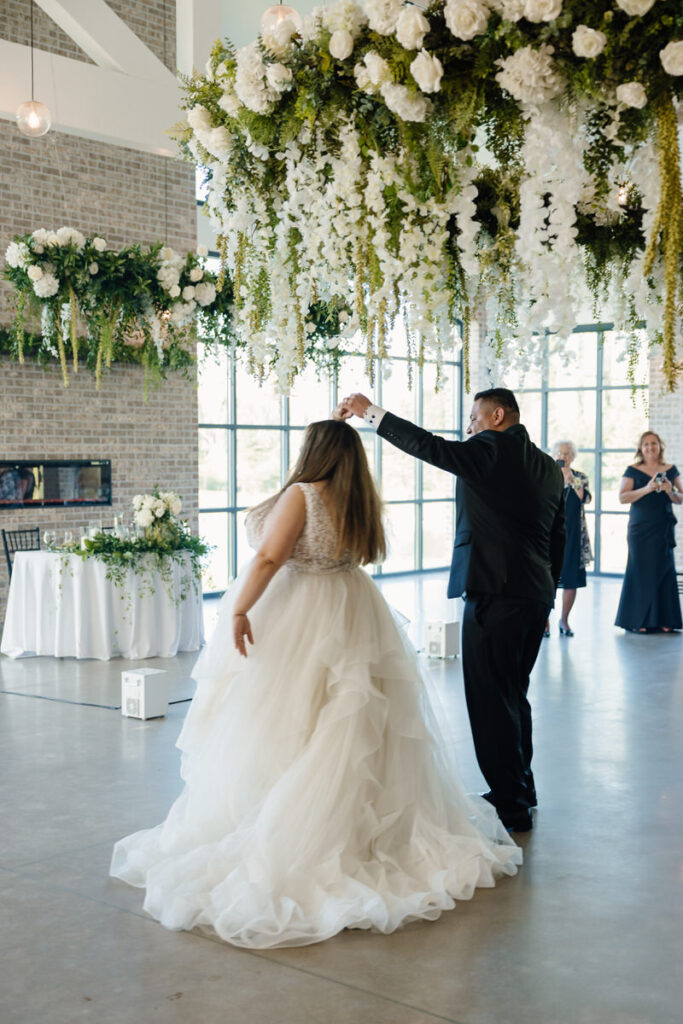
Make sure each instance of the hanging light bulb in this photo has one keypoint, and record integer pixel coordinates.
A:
(272, 17)
(33, 118)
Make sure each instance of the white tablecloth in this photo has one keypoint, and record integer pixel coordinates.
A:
(62, 605)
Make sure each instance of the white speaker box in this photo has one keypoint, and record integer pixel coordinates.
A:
(442, 639)
(143, 695)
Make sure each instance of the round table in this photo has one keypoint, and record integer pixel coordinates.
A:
(63, 606)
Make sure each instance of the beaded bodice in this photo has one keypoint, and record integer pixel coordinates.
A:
(315, 548)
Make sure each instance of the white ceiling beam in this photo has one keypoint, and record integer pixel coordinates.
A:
(198, 26)
(93, 102)
(105, 38)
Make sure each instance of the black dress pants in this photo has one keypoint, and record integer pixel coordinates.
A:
(500, 641)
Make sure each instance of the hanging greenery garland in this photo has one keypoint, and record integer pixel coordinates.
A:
(486, 160)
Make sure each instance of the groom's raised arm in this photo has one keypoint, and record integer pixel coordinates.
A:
(472, 460)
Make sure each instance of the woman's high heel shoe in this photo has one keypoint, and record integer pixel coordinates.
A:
(566, 630)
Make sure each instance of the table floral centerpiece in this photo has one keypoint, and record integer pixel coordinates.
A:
(163, 541)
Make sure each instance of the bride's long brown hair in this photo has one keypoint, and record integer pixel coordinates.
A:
(333, 451)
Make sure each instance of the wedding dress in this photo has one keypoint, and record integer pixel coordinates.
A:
(318, 795)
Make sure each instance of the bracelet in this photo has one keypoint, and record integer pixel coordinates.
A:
(239, 615)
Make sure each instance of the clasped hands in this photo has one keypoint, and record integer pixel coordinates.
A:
(353, 405)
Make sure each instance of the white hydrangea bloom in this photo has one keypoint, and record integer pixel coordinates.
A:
(17, 254)
(383, 15)
(529, 75)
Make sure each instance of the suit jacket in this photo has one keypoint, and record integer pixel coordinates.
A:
(510, 535)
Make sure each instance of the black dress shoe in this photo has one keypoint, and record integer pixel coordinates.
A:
(489, 796)
(546, 633)
(520, 821)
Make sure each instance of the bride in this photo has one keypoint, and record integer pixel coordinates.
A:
(318, 795)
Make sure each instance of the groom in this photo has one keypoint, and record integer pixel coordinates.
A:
(507, 558)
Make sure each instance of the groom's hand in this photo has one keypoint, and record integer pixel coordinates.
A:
(355, 405)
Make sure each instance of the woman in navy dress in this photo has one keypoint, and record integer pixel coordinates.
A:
(577, 552)
(649, 596)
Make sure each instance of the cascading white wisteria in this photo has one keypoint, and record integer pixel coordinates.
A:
(551, 187)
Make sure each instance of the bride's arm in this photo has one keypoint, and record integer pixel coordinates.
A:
(282, 530)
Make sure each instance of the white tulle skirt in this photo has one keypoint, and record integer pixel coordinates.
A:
(318, 795)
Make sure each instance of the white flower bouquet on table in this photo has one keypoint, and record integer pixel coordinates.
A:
(156, 515)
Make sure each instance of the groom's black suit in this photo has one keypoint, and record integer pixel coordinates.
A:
(507, 558)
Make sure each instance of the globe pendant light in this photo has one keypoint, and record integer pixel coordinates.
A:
(33, 118)
(272, 17)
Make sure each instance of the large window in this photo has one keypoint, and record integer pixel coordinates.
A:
(249, 437)
(590, 401)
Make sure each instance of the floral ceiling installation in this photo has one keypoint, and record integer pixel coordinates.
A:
(482, 161)
(101, 304)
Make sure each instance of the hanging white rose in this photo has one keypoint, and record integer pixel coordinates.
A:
(174, 291)
(632, 94)
(93, 268)
(278, 76)
(588, 42)
(199, 118)
(35, 272)
(411, 27)
(407, 105)
(196, 274)
(219, 142)
(378, 69)
(466, 18)
(341, 44)
(205, 293)
(363, 80)
(672, 58)
(229, 103)
(427, 71)
(542, 10)
(188, 292)
(636, 8)
(99, 244)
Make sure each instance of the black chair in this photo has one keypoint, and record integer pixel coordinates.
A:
(19, 540)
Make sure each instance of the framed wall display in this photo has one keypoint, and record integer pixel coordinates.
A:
(32, 483)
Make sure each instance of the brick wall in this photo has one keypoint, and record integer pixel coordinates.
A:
(153, 21)
(126, 196)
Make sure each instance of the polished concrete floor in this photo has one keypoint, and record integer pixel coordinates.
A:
(589, 932)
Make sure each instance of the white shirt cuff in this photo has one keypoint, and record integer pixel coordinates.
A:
(373, 416)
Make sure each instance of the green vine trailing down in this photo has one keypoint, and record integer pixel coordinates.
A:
(138, 305)
(485, 161)
(165, 541)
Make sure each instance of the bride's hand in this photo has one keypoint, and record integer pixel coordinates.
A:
(241, 628)
(341, 412)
